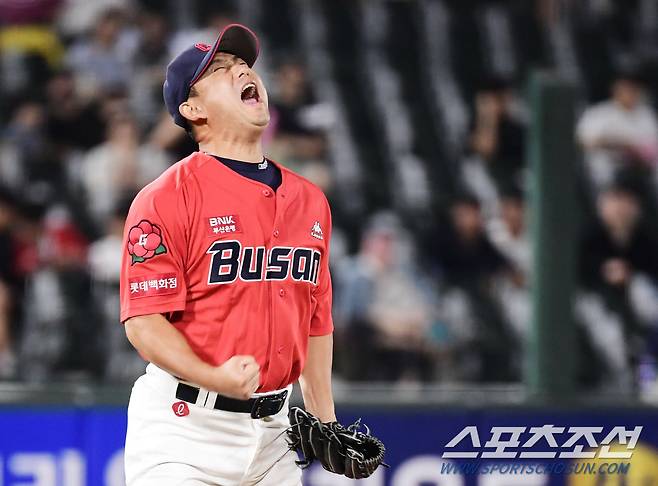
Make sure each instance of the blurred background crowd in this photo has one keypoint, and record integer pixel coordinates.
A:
(411, 115)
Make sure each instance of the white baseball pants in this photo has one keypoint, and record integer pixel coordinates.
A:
(167, 446)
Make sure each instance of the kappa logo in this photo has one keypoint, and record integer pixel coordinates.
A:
(316, 230)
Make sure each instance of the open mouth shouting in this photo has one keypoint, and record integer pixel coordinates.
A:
(249, 94)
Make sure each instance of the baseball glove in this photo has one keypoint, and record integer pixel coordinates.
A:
(341, 450)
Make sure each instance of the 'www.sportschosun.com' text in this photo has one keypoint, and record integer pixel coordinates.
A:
(474, 468)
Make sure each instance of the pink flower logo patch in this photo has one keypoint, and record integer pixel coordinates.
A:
(145, 241)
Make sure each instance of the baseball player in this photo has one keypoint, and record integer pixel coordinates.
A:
(225, 288)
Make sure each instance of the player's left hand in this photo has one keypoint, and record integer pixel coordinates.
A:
(341, 450)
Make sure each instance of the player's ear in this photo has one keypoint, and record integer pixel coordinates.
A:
(192, 111)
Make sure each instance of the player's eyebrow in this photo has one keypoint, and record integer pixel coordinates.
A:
(223, 60)
(215, 62)
(209, 69)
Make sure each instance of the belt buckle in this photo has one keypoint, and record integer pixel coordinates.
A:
(268, 405)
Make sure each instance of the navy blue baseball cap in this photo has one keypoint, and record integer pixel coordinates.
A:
(189, 65)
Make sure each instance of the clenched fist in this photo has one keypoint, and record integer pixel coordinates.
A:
(236, 378)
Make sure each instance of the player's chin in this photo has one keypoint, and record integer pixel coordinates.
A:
(258, 117)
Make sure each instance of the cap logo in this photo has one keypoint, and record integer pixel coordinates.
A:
(202, 47)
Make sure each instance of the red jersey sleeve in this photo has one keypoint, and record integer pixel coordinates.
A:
(322, 322)
(152, 267)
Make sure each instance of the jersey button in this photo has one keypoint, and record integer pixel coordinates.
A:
(276, 233)
(282, 292)
(267, 193)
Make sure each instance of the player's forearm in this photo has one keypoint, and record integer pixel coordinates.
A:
(315, 380)
(160, 343)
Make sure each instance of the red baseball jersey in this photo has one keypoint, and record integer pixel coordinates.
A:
(238, 268)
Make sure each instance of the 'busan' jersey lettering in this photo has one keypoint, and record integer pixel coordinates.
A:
(231, 261)
(236, 267)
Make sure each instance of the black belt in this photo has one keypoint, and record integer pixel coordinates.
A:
(258, 407)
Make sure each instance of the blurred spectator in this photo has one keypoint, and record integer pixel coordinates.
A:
(77, 17)
(27, 232)
(508, 230)
(118, 167)
(72, 124)
(471, 266)
(60, 335)
(618, 260)
(212, 17)
(298, 122)
(385, 309)
(620, 245)
(320, 175)
(463, 250)
(166, 135)
(8, 285)
(28, 164)
(619, 134)
(122, 363)
(149, 63)
(497, 137)
(508, 234)
(106, 252)
(101, 61)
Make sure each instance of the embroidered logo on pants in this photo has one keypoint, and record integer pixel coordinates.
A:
(180, 409)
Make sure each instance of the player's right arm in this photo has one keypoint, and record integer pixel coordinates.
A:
(159, 342)
(153, 285)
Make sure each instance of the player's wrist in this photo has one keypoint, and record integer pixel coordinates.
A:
(325, 414)
(328, 418)
(205, 376)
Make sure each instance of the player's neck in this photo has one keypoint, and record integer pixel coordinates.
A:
(247, 150)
